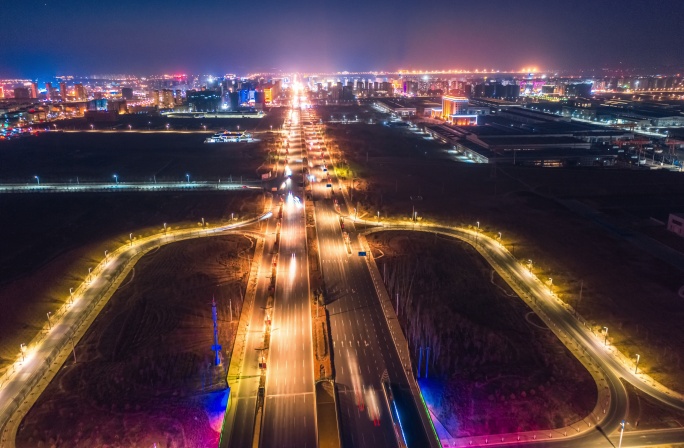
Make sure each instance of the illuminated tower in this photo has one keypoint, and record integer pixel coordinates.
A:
(216, 347)
(80, 92)
(63, 90)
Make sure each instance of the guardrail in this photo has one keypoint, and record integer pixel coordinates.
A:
(129, 187)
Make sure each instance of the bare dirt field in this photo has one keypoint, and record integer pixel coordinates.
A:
(623, 287)
(50, 240)
(144, 374)
(492, 368)
(140, 157)
(273, 116)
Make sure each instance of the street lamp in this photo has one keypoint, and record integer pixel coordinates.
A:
(499, 236)
(106, 255)
(164, 228)
(605, 340)
(130, 127)
(71, 294)
(37, 179)
(22, 348)
(478, 225)
(188, 177)
(130, 237)
(636, 365)
(167, 126)
(622, 430)
(92, 127)
(378, 215)
(116, 179)
(49, 323)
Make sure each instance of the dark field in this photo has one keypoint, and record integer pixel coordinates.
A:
(273, 117)
(96, 157)
(493, 369)
(50, 240)
(624, 287)
(144, 374)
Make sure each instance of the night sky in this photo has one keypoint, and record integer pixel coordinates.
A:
(49, 37)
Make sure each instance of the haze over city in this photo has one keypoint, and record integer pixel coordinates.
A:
(42, 38)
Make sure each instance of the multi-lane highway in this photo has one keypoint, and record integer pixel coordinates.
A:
(244, 382)
(289, 417)
(363, 347)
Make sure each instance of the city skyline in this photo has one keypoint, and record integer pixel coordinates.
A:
(303, 36)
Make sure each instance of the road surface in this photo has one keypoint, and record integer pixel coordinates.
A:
(362, 344)
(289, 418)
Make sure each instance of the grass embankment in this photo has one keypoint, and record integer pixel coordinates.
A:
(145, 373)
(57, 237)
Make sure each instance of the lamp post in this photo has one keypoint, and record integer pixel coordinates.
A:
(116, 179)
(130, 237)
(89, 271)
(636, 364)
(130, 127)
(167, 126)
(49, 322)
(22, 348)
(188, 177)
(106, 256)
(164, 228)
(71, 294)
(37, 180)
(499, 236)
(550, 285)
(478, 225)
(622, 430)
(605, 339)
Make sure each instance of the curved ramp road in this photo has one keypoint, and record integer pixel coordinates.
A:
(601, 427)
(43, 357)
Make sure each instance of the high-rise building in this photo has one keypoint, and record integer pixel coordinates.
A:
(22, 92)
(127, 93)
(166, 98)
(50, 91)
(204, 100)
(34, 90)
(80, 92)
(63, 91)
